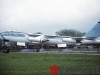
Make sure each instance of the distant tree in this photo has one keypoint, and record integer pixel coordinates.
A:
(70, 32)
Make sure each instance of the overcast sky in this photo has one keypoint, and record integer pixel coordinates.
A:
(48, 16)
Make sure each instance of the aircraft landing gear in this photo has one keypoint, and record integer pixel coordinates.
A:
(42, 49)
(37, 48)
(6, 47)
(6, 51)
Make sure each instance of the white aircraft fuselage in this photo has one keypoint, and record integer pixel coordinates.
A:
(91, 41)
(45, 39)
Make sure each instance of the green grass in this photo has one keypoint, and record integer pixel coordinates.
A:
(39, 64)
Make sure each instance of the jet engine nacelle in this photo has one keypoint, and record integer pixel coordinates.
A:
(34, 39)
(69, 40)
(86, 41)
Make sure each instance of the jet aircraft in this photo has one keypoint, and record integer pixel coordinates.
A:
(91, 38)
(36, 39)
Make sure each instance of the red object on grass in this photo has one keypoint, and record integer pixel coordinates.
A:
(54, 69)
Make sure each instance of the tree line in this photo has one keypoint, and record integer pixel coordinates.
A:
(70, 32)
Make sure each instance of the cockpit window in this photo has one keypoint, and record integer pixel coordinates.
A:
(16, 34)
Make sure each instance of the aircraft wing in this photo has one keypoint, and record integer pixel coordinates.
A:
(50, 36)
(34, 35)
(55, 36)
(65, 36)
(79, 38)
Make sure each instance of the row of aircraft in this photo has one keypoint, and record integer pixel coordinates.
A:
(91, 38)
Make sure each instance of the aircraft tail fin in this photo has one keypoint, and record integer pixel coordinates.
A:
(94, 32)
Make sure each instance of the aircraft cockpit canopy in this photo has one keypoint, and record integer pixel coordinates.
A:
(13, 33)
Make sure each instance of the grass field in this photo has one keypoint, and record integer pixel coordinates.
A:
(39, 64)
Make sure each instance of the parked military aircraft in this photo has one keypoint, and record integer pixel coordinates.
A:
(92, 37)
(37, 39)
